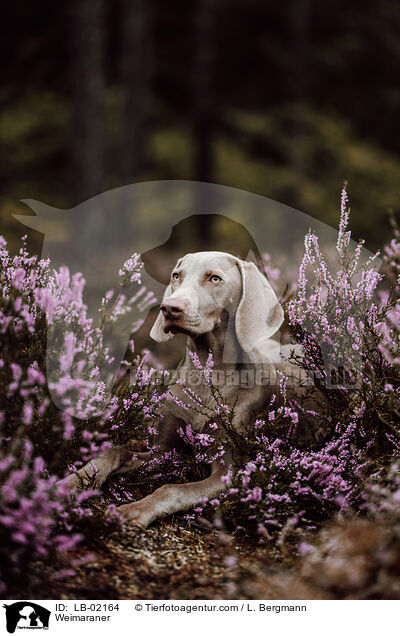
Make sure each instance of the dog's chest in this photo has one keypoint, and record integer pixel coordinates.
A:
(199, 404)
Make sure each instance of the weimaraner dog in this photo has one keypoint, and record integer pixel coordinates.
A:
(226, 306)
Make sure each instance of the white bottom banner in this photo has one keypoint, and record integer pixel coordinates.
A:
(193, 617)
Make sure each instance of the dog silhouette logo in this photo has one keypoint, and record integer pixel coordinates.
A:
(26, 615)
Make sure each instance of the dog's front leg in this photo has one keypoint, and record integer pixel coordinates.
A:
(175, 497)
(115, 460)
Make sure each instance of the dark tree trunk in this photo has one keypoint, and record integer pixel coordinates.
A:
(204, 110)
(300, 19)
(204, 106)
(88, 86)
(135, 70)
(299, 90)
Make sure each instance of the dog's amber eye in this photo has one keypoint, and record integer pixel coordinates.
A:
(215, 279)
(175, 276)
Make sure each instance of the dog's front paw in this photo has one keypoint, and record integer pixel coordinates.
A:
(69, 483)
(138, 513)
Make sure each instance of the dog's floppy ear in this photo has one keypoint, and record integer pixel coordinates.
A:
(259, 313)
(157, 331)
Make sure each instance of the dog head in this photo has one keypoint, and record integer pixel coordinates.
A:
(204, 285)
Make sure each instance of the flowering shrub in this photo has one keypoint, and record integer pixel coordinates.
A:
(39, 443)
(348, 327)
(30, 502)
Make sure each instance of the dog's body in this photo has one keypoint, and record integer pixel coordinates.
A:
(227, 307)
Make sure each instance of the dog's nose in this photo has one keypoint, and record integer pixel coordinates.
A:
(172, 309)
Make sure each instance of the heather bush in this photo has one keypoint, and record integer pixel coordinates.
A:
(347, 322)
(30, 503)
(40, 443)
(357, 559)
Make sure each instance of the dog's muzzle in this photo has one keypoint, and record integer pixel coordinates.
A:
(176, 318)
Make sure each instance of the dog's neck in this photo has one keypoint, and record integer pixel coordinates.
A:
(221, 342)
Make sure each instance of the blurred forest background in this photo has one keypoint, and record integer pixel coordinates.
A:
(286, 100)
